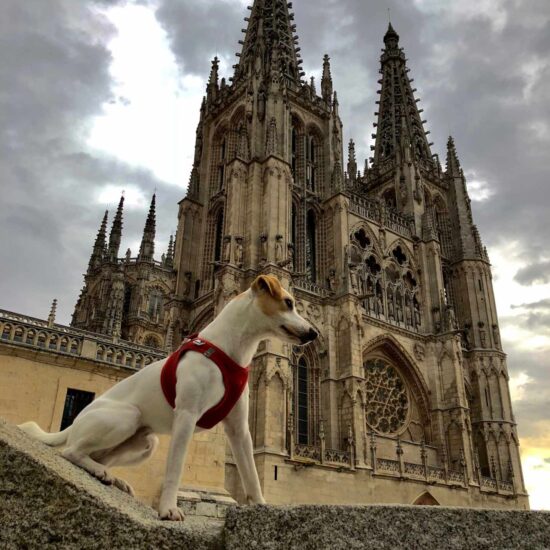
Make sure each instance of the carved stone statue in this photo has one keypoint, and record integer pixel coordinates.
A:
(450, 318)
(239, 260)
(263, 247)
(227, 249)
(291, 254)
(186, 290)
(332, 282)
(279, 248)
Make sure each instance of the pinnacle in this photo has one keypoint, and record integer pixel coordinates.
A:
(391, 35)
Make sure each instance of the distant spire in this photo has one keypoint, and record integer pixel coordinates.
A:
(313, 88)
(326, 80)
(147, 248)
(51, 316)
(352, 161)
(270, 28)
(335, 104)
(169, 259)
(116, 233)
(453, 164)
(399, 127)
(99, 245)
(213, 85)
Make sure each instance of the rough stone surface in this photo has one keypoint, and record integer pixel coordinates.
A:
(384, 527)
(46, 502)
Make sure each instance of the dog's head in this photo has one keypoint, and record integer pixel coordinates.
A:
(277, 309)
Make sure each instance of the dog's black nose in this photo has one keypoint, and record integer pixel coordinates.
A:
(310, 336)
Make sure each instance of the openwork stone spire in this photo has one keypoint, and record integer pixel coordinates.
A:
(326, 80)
(399, 125)
(147, 248)
(99, 245)
(116, 232)
(352, 161)
(270, 39)
(453, 164)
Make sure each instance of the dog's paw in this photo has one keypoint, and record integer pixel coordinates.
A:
(172, 514)
(104, 476)
(123, 486)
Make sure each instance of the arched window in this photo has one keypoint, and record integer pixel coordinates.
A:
(221, 166)
(311, 163)
(127, 300)
(156, 303)
(311, 247)
(302, 402)
(218, 237)
(294, 152)
(390, 198)
(294, 222)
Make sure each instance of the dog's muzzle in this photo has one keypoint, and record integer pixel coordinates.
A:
(309, 336)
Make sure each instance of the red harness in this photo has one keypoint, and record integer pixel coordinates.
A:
(234, 376)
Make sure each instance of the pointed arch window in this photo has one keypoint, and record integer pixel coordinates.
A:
(218, 237)
(311, 246)
(221, 167)
(311, 162)
(302, 402)
(294, 152)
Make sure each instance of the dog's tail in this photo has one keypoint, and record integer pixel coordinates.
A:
(53, 439)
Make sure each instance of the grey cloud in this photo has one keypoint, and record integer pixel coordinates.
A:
(541, 304)
(534, 273)
(54, 69)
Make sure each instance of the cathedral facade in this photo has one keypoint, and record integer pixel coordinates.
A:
(404, 397)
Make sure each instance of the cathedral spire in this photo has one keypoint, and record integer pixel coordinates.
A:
(213, 82)
(270, 28)
(169, 259)
(399, 123)
(352, 161)
(453, 164)
(99, 245)
(326, 80)
(147, 248)
(116, 233)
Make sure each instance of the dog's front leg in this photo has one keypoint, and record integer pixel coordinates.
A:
(182, 432)
(240, 440)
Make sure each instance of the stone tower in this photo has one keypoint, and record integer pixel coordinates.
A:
(128, 297)
(404, 397)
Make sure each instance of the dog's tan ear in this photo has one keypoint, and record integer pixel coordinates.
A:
(269, 284)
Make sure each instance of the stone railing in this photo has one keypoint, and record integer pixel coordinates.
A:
(28, 332)
(489, 483)
(307, 451)
(387, 465)
(337, 457)
(380, 213)
(312, 288)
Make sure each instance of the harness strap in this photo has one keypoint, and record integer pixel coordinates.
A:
(234, 377)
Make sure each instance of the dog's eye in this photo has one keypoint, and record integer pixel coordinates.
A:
(289, 303)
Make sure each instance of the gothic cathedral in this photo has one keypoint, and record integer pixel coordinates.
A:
(404, 397)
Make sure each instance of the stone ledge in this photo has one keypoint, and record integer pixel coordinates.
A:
(384, 527)
(46, 502)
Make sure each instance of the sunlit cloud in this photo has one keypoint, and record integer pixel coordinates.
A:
(151, 123)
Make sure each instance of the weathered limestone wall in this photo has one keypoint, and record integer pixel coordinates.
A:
(33, 386)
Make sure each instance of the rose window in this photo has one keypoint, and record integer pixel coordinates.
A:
(387, 398)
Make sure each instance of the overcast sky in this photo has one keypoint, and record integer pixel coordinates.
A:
(102, 96)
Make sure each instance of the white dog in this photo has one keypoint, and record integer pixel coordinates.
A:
(118, 429)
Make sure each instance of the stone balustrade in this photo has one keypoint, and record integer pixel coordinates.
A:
(379, 213)
(29, 332)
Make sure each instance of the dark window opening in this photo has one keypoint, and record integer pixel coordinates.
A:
(311, 247)
(219, 237)
(480, 285)
(276, 472)
(75, 402)
(294, 152)
(303, 420)
(197, 289)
